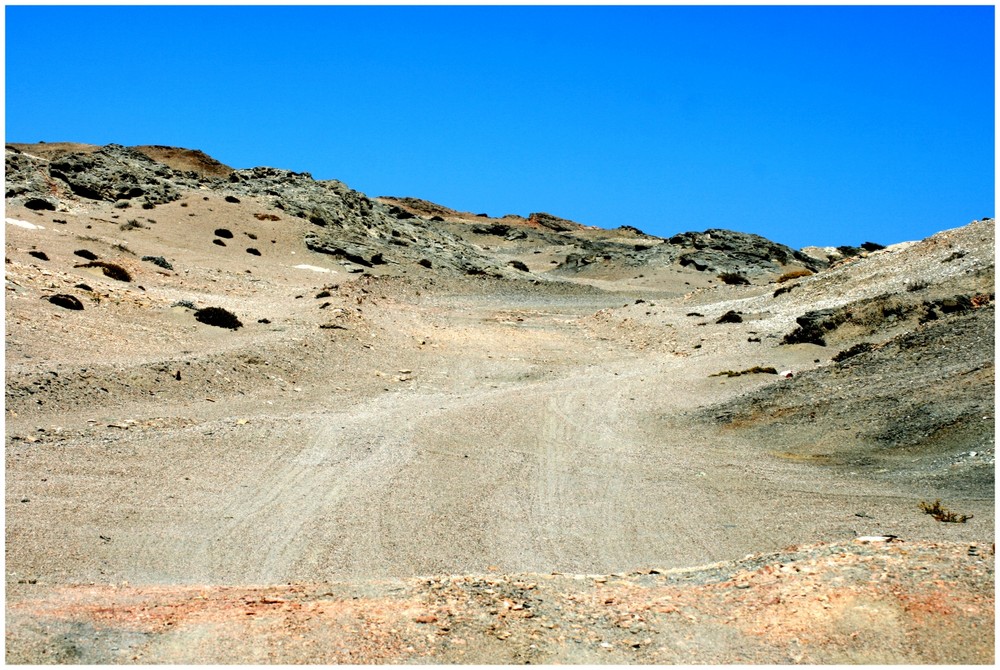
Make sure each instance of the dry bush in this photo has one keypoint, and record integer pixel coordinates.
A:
(217, 316)
(794, 274)
(942, 514)
(755, 370)
(110, 270)
(733, 279)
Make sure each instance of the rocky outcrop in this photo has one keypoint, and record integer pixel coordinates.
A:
(358, 230)
(117, 173)
(725, 251)
(553, 222)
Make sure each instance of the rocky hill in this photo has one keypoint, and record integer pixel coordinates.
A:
(401, 231)
(254, 417)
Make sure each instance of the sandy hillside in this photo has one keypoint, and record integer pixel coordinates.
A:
(478, 439)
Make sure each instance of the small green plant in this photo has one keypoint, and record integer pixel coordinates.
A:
(942, 514)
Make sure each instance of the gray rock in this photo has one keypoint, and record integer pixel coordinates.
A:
(115, 173)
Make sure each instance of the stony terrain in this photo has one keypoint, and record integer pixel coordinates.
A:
(253, 417)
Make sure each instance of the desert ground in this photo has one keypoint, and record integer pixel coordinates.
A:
(428, 462)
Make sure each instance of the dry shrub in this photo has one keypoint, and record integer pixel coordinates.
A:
(733, 279)
(942, 514)
(216, 316)
(110, 270)
(794, 274)
(755, 370)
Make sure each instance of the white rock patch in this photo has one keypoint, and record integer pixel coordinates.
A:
(24, 224)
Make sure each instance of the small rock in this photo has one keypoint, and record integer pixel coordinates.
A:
(426, 618)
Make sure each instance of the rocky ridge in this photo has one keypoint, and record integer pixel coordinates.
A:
(386, 230)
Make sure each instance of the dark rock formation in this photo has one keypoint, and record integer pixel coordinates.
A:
(66, 301)
(725, 251)
(553, 222)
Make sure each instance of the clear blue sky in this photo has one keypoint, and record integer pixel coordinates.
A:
(808, 125)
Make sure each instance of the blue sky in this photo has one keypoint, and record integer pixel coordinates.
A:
(808, 125)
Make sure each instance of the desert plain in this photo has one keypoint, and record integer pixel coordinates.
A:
(284, 422)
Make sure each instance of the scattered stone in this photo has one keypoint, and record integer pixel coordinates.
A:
(224, 232)
(218, 242)
(252, 251)
(84, 253)
(40, 255)
(232, 199)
